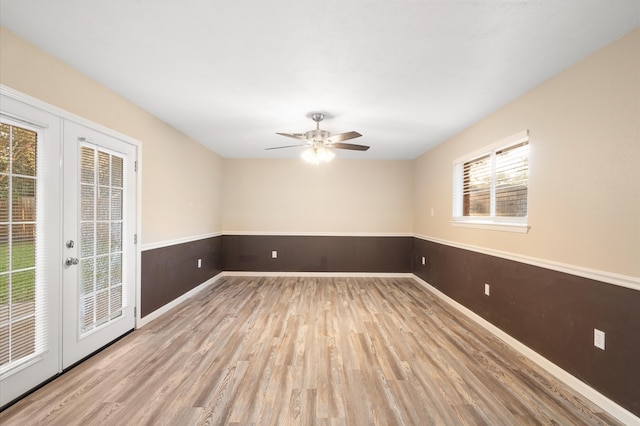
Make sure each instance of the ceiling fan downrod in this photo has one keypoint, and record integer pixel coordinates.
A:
(317, 135)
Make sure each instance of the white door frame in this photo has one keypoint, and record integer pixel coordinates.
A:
(66, 115)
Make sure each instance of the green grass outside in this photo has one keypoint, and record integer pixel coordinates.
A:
(23, 282)
(24, 256)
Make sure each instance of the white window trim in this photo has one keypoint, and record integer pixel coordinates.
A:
(508, 224)
(495, 226)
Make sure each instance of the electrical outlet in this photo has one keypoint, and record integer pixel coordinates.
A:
(274, 254)
(433, 212)
(424, 260)
(486, 289)
(199, 263)
(598, 338)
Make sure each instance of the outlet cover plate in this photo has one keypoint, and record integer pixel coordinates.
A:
(598, 338)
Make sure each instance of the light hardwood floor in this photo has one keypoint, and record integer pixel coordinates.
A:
(307, 351)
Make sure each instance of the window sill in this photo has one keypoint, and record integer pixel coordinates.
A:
(522, 228)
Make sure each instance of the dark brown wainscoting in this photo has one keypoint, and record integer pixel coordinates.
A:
(551, 312)
(317, 253)
(169, 272)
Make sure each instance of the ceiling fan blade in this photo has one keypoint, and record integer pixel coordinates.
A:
(350, 146)
(342, 137)
(286, 146)
(299, 136)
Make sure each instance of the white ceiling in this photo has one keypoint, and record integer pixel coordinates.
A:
(407, 74)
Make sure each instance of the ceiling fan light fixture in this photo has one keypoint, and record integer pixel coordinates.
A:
(317, 155)
(318, 141)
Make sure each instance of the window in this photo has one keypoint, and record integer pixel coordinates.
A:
(490, 187)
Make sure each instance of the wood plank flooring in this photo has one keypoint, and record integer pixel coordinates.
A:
(307, 351)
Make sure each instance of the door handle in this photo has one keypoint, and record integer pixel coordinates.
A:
(71, 261)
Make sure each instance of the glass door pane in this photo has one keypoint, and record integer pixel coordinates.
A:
(19, 312)
(101, 175)
(30, 239)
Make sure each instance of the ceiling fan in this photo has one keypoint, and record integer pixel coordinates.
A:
(318, 141)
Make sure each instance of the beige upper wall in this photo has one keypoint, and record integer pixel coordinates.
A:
(584, 193)
(181, 180)
(584, 184)
(344, 196)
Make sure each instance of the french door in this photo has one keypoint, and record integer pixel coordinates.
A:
(67, 249)
(30, 268)
(98, 285)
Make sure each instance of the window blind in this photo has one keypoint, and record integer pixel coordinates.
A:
(477, 184)
(101, 230)
(23, 325)
(511, 180)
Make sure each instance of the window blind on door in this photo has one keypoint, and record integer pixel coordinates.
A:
(101, 232)
(23, 261)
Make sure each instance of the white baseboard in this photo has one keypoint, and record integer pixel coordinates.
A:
(141, 322)
(317, 274)
(611, 407)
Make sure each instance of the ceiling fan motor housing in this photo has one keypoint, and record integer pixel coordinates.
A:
(317, 135)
